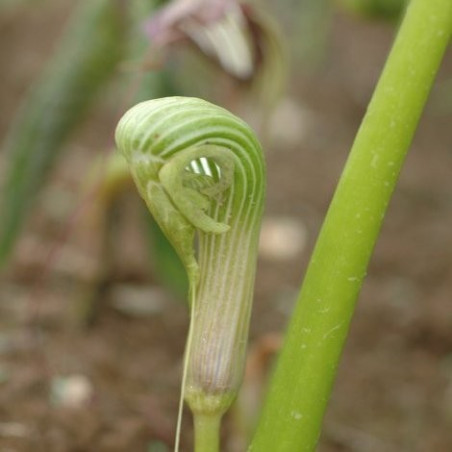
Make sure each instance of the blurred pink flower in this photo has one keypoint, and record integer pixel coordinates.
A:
(167, 24)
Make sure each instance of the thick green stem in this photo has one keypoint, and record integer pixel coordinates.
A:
(304, 374)
(207, 432)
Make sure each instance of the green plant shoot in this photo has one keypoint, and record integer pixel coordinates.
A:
(305, 372)
(201, 172)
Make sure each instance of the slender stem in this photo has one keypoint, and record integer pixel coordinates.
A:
(207, 432)
(305, 372)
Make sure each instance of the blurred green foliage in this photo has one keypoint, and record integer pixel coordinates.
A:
(378, 9)
(84, 62)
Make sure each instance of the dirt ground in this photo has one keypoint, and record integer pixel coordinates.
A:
(113, 385)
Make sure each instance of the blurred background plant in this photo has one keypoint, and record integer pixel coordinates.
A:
(384, 9)
(301, 73)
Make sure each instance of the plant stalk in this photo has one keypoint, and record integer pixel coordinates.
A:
(207, 432)
(304, 375)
